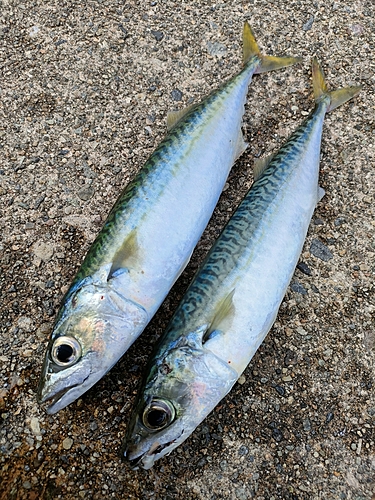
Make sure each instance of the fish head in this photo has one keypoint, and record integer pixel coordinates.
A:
(183, 386)
(94, 327)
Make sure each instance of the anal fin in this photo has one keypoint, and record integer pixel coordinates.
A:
(241, 145)
(321, 193)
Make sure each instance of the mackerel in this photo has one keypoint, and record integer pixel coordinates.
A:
(234, 298)
(148, 237)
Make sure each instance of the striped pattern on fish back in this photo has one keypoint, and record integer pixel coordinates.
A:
(147, 178)
(234, 241)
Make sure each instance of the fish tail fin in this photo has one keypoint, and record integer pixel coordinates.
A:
(268, 63)
(337, 97)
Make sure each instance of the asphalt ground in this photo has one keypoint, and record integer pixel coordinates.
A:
(84, 92)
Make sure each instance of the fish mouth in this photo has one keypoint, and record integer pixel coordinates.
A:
(145, 460)
(58, 400)
(54, 399)
(133, 464)
(60, 387)
(148, 458)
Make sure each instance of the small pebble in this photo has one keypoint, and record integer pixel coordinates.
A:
(67, 443)
(241, 494)
(243, 450)
(277, 434)
(216, 49)
(202, 462)
(25, 323)
(307, 425)
(85, 193)
(34, 425)
(39, 201)
(280, 390)
(176, 95)
(308, 25)
(301, 331)
(339, 221)
(329, 417)
(318, 222)
(304, 268)
(298, 288)
(93, 426)
(43, 251)
(321, 251)
(223, 465)
(159, 35)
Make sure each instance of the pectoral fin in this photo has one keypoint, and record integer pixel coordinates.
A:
(128, 250)
(222, 317)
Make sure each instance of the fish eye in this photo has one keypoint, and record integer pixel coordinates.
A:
(158, 415)
(65, 351)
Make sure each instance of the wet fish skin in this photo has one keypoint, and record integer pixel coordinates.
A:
(234, 298)
(148, 238)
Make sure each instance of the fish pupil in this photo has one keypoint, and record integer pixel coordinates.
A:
(64, 353)
(156, 418)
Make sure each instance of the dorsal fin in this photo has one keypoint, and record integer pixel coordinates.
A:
(223, 311)
(260, 165)
(173, 117)
(128, 249)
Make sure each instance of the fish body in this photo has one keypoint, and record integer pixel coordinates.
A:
(234, 298)
(148, 238)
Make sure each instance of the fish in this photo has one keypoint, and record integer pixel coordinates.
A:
(148, 237)
(234, 298)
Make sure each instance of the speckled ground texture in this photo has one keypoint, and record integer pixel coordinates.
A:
(84, 93)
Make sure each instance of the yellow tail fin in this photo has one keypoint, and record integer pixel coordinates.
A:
(268, 63)
(337, 97)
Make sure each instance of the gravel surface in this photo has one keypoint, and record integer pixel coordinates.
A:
(84, 92)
